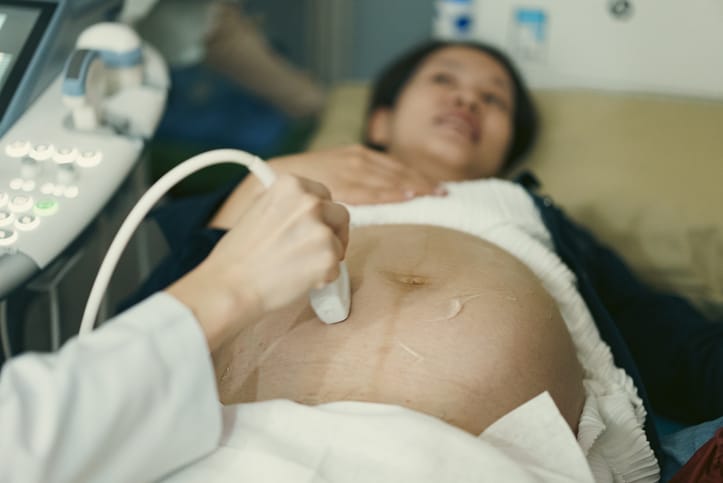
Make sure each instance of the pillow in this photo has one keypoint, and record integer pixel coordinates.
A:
(642, 172)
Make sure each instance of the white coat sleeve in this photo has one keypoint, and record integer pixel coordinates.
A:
(130, 402)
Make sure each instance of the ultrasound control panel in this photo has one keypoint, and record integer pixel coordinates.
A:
(55, 180)
(53, 183)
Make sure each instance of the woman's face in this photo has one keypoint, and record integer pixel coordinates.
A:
(453, 119)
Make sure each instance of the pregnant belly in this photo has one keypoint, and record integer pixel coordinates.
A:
(441, 322)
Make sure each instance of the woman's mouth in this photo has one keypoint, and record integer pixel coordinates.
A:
(462, 123)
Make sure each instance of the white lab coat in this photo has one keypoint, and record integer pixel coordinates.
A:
(130, 402)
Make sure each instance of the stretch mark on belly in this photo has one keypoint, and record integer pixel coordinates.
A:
(452, 308)
(408, 349)
(268, 351)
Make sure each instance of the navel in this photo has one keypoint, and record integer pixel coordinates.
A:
(408, 280)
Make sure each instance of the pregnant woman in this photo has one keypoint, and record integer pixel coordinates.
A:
(470, 295)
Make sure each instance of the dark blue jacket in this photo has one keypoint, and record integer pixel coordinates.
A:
(672, 352)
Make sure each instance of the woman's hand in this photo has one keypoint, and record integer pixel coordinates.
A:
(353, 174)
(359, 175)
(291, 239)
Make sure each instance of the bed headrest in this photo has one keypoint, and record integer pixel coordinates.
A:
(643, 173)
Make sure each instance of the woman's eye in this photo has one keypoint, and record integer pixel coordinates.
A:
(442, 78)
(493, 100)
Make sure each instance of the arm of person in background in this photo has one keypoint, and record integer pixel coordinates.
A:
(235, 46)
(137, 398)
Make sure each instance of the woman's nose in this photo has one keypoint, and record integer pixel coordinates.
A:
(466, 99)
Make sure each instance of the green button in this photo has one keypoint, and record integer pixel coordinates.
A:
(46, 207)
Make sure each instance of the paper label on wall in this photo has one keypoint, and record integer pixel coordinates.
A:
(529, 33)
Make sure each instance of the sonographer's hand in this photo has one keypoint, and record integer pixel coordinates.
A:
(354, 175)
(290, 240)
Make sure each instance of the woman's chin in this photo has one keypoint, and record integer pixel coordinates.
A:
(453, 162)
(439, 159)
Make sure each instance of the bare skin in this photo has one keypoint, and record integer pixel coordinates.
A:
(442, 322)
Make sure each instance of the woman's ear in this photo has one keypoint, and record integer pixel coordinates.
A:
(378, 127)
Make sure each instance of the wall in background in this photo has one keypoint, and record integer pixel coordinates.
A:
(650, 45)
(664, 46)
(385, 28)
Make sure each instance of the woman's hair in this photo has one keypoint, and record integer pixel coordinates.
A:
(390, 83)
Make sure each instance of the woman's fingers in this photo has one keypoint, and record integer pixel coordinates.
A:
(409, 181)
(359, 175)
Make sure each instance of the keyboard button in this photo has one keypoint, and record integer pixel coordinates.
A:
(89, 159)
(27, 222)
(42, 152)
(21, 203)
(46, 207)
(7, 237)
(65, 155)
(18, 149)
(6, 218)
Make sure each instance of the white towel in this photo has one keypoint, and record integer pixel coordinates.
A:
(354, 442)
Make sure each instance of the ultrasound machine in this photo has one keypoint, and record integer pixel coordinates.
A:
(80, 95)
